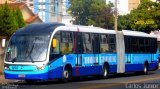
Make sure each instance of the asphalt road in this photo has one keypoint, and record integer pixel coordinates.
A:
(119, 81)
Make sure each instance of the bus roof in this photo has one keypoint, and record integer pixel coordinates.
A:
(109, 31)
(89, 29)
(136, 33)
(40, 28)
(48, 28)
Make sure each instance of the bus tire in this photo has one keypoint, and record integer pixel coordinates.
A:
(67, 74)
(105, 71)
(145, 69)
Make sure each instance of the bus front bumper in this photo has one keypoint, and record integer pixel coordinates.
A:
(25, 75)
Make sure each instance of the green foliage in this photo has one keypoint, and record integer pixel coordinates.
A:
(19, 18)
(1, 14)
(92, 12)
(10, 20)
(145, 18)
(8, 25)
(124, 22)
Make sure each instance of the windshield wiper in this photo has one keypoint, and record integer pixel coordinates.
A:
(29, 54)
(13, 60)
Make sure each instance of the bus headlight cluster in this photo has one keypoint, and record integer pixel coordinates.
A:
(6, 67)
(40, 67)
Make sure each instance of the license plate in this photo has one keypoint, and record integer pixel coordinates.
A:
(21, 75)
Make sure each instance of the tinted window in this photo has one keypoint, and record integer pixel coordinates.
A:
(87, 43)
(67, 42)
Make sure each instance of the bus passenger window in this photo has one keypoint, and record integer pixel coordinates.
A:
(87, 43)
(65, 48)
(67, 42)
(57, 49)
(112, 42)
(104, 47)
(55, 52)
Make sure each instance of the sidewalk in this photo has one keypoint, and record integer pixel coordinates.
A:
(4, 81)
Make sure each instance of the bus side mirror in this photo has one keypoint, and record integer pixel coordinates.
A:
(54, 43)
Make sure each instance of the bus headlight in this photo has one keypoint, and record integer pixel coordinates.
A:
(6, 67)
(40, 67)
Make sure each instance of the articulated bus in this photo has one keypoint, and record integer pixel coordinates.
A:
(58, 51)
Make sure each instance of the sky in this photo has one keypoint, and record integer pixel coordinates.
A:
(122, 6)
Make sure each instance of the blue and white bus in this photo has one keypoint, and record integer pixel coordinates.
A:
(58, 51)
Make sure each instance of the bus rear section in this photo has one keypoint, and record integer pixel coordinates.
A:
(140, 52)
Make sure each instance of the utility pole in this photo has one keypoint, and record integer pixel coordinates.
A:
(115, 16)
(59, 10)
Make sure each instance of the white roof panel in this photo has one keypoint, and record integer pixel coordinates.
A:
(101, 30)
(136, 33)
(90, 29)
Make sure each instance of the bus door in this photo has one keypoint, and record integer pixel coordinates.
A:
(78, 48)
(96, 47)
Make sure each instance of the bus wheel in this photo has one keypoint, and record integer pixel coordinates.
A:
(66, 75)
(105, 71)
(145, 70)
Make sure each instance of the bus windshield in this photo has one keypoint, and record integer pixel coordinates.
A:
(27, 48)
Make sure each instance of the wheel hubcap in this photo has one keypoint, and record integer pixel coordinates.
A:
(66, 74)
(145, 69)
(105, 72)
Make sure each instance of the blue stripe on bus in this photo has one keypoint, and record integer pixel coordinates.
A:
(153, 65)
(82, 71)
(55, 69)
(22, 67)
(27, 72)
(55, 73)
(140, 67)
(133, 67)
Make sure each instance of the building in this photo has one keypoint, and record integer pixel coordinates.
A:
(66, 18)
(133, 4)
(29, 3)
(48, 10)
(52, 10)
(125, 6)
(3, 1)
(28, 16)
(41, 7)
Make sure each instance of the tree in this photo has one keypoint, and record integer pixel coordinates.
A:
(145, 18)
(19, 18)
(10, 20)
(1, 14)
(124, 22)
(9, 24)
(91, 12)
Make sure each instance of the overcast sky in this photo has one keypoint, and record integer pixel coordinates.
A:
(122, 5)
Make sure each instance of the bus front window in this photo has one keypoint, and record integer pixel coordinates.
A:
(27, 48)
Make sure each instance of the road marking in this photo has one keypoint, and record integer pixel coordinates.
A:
(116, 84)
